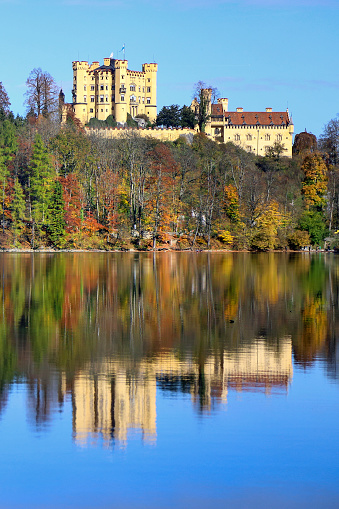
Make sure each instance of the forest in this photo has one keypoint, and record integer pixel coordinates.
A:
(62, 187)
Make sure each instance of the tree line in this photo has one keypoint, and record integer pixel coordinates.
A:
(61, 187)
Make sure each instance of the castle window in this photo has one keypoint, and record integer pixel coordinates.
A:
(92, 98)
(143, 89)
(248, 137)
(92, 87)
(237, 137)
(267, 149)
(279, 137)
(132, 87)
(139, 89)
(92, 77)
(106, 87)
(122, 77)
(102, 77)
(84, 87)
(149, 80)
(85, 98)
(148, 90)
(267, 137)
(249, 148)
(107, 98)
(75, 87)
(101, 98)
(102, 110)
(106, 77)
(91, 110)
(122, 98)
(133, 98)
(148, 100)
(139, 99)
(216, 131)
(101, 87)
(143, 100)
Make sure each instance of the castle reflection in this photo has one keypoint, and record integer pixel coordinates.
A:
(112, 398)
(109, 331)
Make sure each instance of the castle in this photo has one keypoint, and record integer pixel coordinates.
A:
(254, 131)
(113, 89)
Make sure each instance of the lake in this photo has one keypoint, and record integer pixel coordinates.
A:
(186, 380)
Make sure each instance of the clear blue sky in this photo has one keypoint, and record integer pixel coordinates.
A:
(258, 53)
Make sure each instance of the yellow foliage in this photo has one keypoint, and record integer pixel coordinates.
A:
(225, 236)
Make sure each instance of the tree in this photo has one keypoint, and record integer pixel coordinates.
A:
(18, 208)
(41, 94)
(56, 216)
(187, 117)
(329, 141)
(169, 116)
(8, 146)
(204, 96)
(315, 181)
(304, 143)
(41, 177)
(4, 99)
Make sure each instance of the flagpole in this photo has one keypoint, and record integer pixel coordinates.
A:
(124, 51)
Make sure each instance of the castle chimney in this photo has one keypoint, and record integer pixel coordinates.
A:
(240, 110)
(269, 110)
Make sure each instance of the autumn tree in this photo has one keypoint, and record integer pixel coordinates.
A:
(4, 100)
(314, 188)
(41, 94)
(315, 181)
(304, 143)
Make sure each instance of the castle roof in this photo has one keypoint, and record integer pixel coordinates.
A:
(268, 118)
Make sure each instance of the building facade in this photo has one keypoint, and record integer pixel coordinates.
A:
(113, 89)
(254, 131)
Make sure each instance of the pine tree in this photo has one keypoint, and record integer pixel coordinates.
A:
(56, 223)
(18, 208)
(8, 147)
(41, 179)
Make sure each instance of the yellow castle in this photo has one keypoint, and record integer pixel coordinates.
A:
(113, 89)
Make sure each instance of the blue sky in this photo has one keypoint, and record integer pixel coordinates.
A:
(258, 53)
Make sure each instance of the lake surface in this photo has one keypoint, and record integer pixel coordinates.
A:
(184, 380)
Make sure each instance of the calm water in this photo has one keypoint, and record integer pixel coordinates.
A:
(170, 380)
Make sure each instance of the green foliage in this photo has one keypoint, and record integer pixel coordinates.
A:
(56, 216)
(41, 178)
(130, 122)
(187, 117)
(18, 209)
(169, 116)
(314, 223)
(102, 124)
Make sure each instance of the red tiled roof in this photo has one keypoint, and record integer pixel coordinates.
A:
(252, 117)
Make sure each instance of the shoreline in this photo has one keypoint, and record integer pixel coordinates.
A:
(161, 250)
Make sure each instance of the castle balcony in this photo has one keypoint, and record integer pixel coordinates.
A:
(122, 90)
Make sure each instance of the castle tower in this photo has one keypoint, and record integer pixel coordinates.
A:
(113, 89)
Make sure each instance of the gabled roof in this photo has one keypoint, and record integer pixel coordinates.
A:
(277, 118)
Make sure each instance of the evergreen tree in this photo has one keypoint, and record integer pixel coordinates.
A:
(18, 208)
(56, 223)
(41, 178)
(8, 147)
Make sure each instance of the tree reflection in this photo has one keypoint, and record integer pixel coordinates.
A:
(63, 316)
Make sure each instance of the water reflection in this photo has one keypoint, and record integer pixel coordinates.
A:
(106, 330)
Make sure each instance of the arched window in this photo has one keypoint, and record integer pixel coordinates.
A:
(132, 87)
